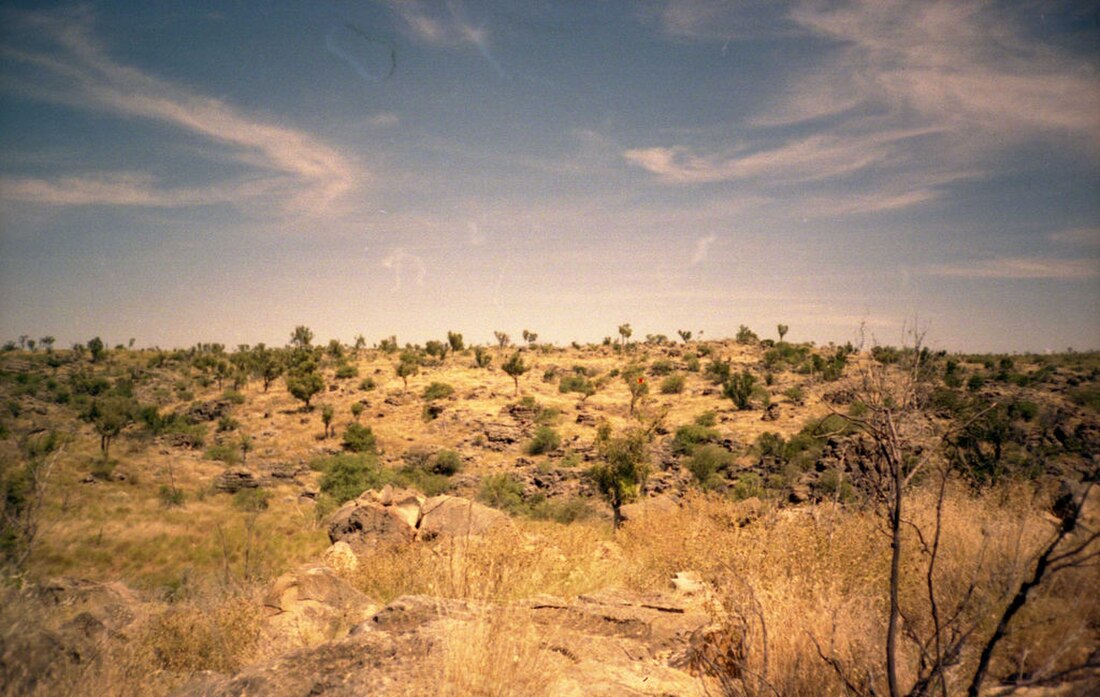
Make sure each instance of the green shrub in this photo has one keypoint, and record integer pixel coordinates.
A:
(359, 439)
(770, 444)
(545, 440)
(501, 491)
(691, 364)
(689, 436)
(367, 384)
(577, 383)
(438, 390)
(831, 484)
(346, 371)
(1023, 409)
(794, 394)
(976, 382)
(673, 384)
(347, 476)
(708, 418)
(718, 372)
(564, 512)
(233, 397)
(706, 461)
(251, 500)
(447, 463)
(428, 483)
(170, 496)
(661, 367)
(228, 423)
(739, 389)
(746, 335)
(224, 452)
(1087, 396)
(748, 485)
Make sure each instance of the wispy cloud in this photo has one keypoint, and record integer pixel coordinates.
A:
(960, 63)
(1077, 237)
(1021, 268)
(116, 189)
(815, 157)
(401, 263)
(721, 19)
(702, 247)
(474, 234)
(308, 174)
(445, 24)
(906, 100)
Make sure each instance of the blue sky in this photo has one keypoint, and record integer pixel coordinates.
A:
(216, 172)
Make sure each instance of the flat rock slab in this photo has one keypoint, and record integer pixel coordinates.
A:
(608, 644)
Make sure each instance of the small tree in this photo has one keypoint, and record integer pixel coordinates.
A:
(746, 335)
(96, 349)
(623, 468)
(456, 342)
(438, 349)
(246, 447)
(530, 337)
(301, 337)
(360, 344)
(739, 389)
(335, 349)
(23, 495)
(481, 357)
(48, 342)
(327, 412)
(408, 366)
(356, 410)
(624, 333)
(636, 383)
(782, 330)
(266, 364)
(515, 367)
(109, 417)
(304, 382)
(502, 340)
(685, 335)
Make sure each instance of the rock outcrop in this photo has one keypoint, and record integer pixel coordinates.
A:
(312, 605)
(605, 644)
(394, 516)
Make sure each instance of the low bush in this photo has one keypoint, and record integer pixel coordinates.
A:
(689, 436)
(359, 439)
(347, 476)
(705, 462)
(224, 452)
(545, 440)
(673, 384)
(438, 390)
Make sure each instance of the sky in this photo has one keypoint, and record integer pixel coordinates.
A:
(225, 171)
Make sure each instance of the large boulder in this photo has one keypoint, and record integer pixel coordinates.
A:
(608, 644)
(365, 523)
(394, 516)
(311, 605)
(662, 503)
(454, 516)
(234, 479)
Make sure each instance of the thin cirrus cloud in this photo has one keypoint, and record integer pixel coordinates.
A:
(445, 25)
(818, 156)
(963, 63)
(925, 92)
(308, 173)
(1021, 268)
(702, 248)
(402, 262)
